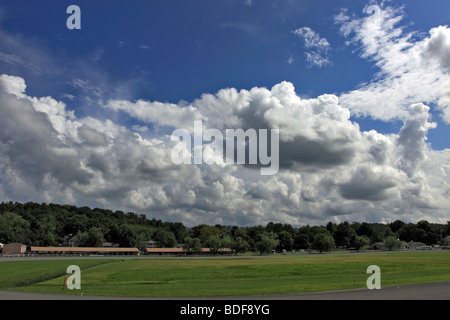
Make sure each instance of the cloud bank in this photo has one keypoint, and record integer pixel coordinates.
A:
(331, 170)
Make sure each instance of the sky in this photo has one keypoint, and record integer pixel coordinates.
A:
(359, 90)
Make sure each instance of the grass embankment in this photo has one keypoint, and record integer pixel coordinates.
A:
(186, 277)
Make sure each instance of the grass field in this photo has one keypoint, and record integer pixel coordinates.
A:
(228, 276)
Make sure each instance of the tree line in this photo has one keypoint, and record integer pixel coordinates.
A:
(35, 224)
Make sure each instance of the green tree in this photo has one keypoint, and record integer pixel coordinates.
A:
(312, 231)
(301, 241)
(192, 245)
(164, 238)
(391, 242)
(127, 236)
(239, 245)
(214, 243)
(410, 232)
(331, 227)
(241, 232)
(178, 230)
(365, 229)
(75, 223)
(344, 235)
(380, 232)
(82, 239)
(91, 238)
(266, 243)
(360, 242)
(141, 234)
(47, 230)
(323, 242)
(226, 242)
(95, 237)
(285, 240)
(12, 226)
(206, 232)
(396, 225)
(275, 228)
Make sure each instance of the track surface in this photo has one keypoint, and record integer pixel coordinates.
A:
(423, 291)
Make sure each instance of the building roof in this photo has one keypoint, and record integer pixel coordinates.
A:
(14, 244)
(415, 244)
(164, 250)
(82, 249)
(14, 248)
(180, 250)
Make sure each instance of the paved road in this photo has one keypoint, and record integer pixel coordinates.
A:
(425, 291)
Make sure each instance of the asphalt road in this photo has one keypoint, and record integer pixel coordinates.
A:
(424, 291)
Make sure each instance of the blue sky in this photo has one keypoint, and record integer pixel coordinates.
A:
(178, 50)
(175, 52)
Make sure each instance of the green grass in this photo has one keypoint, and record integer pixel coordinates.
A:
(186, 277)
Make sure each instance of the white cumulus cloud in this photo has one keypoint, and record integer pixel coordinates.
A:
(412, 68)
(330, 169)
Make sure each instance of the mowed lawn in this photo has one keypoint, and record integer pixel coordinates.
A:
(184, 277)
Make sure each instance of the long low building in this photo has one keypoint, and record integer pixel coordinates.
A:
(14, 248)
(83, 250)
(181, 251)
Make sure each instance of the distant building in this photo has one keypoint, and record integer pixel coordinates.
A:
(14, 248)
(402, 245)
(148, 244)
(415, 245)
(110, 245)
(446, 241)
(71, 241)
(378, 246)
(84, 250)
